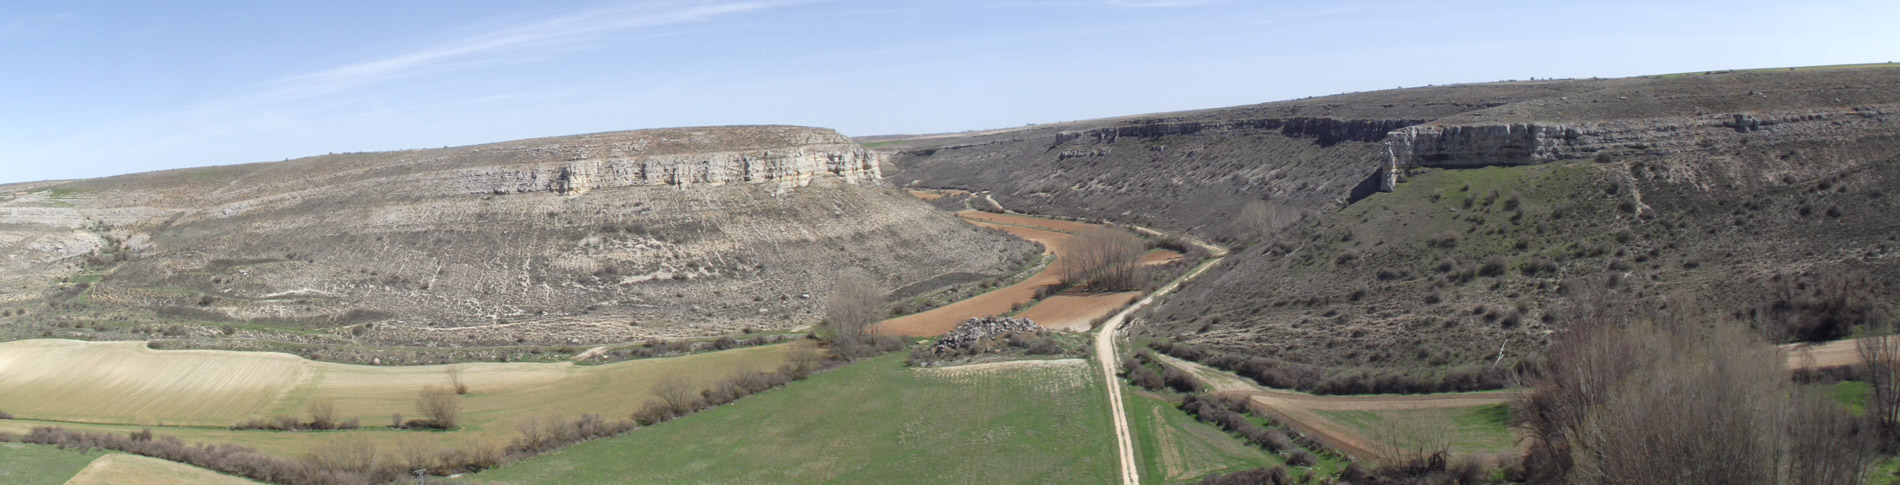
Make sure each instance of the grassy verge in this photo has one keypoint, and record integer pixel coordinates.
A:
(872, 422)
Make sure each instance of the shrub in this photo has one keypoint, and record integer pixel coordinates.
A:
(455, 380)
(440, 405)
(1258, 476)
(1146, 378)
(1180, 381)
(5, 415)
(322, 413)
(1493, 267)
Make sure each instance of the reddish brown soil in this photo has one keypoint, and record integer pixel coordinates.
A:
(942, 319)
(1159, 256)
(1022, 220)
(1063, 312)
(1075, 312)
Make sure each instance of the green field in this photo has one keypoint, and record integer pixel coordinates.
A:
(872, 422)
(1175, 448)
(1482, 429)
(35, 464)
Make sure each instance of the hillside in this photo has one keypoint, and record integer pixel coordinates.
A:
(1453, 227)
(612, 237)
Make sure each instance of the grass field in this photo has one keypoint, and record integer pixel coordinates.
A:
(872, 422)
(1175, 448)
(119, 386)
(39, 464)
(118, 469)
(1483, 429)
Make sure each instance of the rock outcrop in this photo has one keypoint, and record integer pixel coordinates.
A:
(976, 332)
(608, 237)
(1468, 146)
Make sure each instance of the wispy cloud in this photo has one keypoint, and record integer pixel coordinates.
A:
(556, 32)
(342, 91)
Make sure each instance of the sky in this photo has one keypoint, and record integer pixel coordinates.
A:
(90, 89)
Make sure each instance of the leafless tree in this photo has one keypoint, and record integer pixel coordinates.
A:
(322, 413)
(805, 357)
(1261, 220)
(418, 453)
(676, 392)
(1880, 366)
(441, 405)
(455, 380)
(852, 310)
(1686, 403)
(1102, 258)
(349, 452)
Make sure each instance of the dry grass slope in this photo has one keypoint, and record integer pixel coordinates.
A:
(122, 469)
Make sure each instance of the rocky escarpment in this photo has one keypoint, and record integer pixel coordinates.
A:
(1468, 146)
(1324, 131)
(617, 167)
(684, 232)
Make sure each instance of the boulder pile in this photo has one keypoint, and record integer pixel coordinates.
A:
(976, 331)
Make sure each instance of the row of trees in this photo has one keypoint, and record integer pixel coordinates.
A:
(1102, 258)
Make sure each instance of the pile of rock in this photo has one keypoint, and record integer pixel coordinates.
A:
(980, 331)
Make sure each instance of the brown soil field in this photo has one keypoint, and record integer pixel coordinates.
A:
(1159, 257)
(1074, 312)
(942, 319)
(1022, 220)
(1061, 312)
(924, 195)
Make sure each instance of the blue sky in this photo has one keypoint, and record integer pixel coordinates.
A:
(91, 89)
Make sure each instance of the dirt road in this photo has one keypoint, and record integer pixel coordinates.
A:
(1105, 352)
(1826, 354)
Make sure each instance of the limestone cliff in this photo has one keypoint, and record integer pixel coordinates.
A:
(1479, 145)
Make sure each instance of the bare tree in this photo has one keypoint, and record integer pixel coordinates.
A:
(1416, 442)
(1261, 220)
(418, 453)
(441, 405)
(322, 413)
(351, 452)
(1687, 403)
(455, 380)
(852, 310)
(805, 357)
(676, 392)
(1102, 258)
(1880, 366)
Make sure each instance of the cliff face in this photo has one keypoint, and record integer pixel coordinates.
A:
(792, 167)
(1467, 146)
(1324, 131)
(591, 238)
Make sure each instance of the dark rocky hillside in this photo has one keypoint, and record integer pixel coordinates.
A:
(614, 237)
(1455, 227)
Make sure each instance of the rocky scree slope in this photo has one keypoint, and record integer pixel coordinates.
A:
(670, 233)
(1484, 216)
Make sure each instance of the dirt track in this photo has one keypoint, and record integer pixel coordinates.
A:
(1827, 354)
